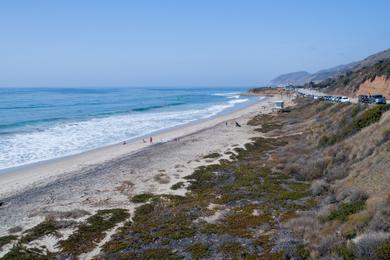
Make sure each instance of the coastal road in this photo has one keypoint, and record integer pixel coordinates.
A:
(313, 92)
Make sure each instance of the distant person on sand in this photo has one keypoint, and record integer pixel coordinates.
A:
(143, 140)
(237, 124)
(226, 123)
(151, 140)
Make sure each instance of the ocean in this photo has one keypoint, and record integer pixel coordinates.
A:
(38, 124)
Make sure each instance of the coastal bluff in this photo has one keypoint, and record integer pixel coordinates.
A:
(266, 91)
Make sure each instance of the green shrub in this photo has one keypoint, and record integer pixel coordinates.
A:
(159, 253)
(198, 250)
(330, 140)
(383, 250)
(346, 209)
(177, 186)
(302, 252)
(6, 240)
(232, 249)
(141, 198)
(47, 227)
(21, 252)
(93, 230)
(344, 252)
(212, 156)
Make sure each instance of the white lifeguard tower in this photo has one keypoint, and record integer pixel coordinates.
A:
(279, 104)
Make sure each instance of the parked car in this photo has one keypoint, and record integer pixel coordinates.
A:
(344, 100)
(363, 99)
(337, 99)
(378, 99)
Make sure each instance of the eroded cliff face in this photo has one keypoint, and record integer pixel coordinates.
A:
(374, 79)
(380, 85)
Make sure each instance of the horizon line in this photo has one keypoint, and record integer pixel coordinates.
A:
(147, 86)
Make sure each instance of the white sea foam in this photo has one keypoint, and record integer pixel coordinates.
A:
(228, 94)
(68, 138)
(237, 101)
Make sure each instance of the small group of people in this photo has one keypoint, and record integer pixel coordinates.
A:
(143, 140)
(150, 140)
(177, 139)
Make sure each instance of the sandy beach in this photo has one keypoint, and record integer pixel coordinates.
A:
(109, 176)
(18, 179)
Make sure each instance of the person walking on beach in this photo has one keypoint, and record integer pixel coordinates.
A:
(151, 140)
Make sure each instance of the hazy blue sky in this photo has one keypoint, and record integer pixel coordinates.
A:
(182, 43)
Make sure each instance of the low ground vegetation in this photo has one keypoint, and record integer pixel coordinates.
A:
(284, 195)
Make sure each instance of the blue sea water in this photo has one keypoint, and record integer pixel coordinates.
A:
(38, 124)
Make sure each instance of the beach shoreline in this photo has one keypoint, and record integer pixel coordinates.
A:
(107, 177)
(136, 139)
(17, 179)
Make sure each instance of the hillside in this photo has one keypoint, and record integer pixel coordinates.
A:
(265, 91)
(301, 78)
(372, 79)
(372, 59)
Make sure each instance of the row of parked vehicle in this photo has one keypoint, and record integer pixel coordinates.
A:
(339, 99)
(370, 99)
(374, 99)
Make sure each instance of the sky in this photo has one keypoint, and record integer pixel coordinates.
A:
(182, 43)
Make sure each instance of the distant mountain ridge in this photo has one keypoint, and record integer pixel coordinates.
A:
(303, 77)
(294, 78)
